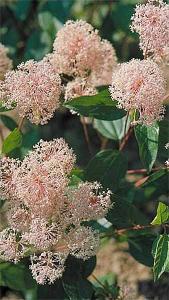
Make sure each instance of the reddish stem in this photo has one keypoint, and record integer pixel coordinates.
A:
(125, 139)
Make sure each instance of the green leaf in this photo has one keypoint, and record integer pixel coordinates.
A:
(8, 122)
(147, 139)
(108, 285)
(157, 184)
(78, 290)
(114, 130)
(52, 292)
(160, 252)
(162, 214)
(140, 248)
(13, 141)
(47, 23)
(108, 167)
(99, 106)
(74, 279)
(124, 214)
(18, 277)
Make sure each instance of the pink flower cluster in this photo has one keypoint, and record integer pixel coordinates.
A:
(35, 88)
(44, 212)
(150, 21)
(140, 85)
(80, 53)
(5, 62)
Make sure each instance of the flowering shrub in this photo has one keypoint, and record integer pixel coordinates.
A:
(54, 214)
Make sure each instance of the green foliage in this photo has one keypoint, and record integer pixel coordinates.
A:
(109, 167)
(18, 277)
(8, 122)
(140, 248)
(106, 286)
(124, 214)
(113, 130)
(162, 214)
(73, 285)
(156, 184)
(161, 255)
(13, 141)
(147, 138)
(74, 280)
(99, 106)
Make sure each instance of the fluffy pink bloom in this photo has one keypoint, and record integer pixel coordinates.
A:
(18, 217)
(41, 234)
(76, 49)
(10, 247)
(47, 213)
(140, 85)
(41, 179)
(87, 202)
(83, 242)
(103, 74)
(79, 87)
(35, 87)
(150, 21)
(8, 167)
(5, 61)
(47, 267)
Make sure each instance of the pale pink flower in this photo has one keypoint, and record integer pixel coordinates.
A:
(35, 88)
(10, 247)
(48, 151)
(5, 61)
(77, 49)
(8, 167)
(18, 217)
(47, 267)
(140, 85)
(83, 242)
(79, 87)
(41, 234)
(150, 21)
(103, 74)
(47, 213)
(88, 202)
(41, 179)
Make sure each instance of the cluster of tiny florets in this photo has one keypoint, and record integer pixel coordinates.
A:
(140, 85)
(5, 61)
(35, 88)
(77, 48)
(150, 21)
(103, 74)
(46, 215)
(80, 53)
(79, 87)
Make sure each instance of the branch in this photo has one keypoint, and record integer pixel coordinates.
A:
(125, 139)
(20, 124)
(143, 171)
(134, 228)
(82, 119)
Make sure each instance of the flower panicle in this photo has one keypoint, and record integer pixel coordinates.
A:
(45, 215)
